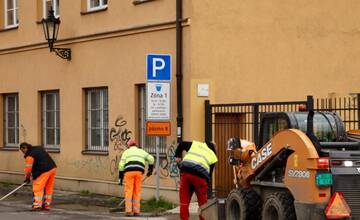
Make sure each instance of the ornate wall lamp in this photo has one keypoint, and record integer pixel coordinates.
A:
(51, 29)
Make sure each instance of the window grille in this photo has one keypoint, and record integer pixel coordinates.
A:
(11, 120)
(50, 116)
(97, 119)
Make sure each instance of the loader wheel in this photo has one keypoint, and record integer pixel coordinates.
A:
(243, 204)
(279, 206)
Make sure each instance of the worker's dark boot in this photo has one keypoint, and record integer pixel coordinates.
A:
(137, 214)
(36, 208)
(128, 214)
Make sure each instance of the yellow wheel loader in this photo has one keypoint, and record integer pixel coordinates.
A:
(307, 168)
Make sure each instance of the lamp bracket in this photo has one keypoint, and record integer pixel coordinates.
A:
(64, 53)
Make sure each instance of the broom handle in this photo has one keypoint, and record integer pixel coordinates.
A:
(16, 189)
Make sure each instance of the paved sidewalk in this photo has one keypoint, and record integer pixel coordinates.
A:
(67, 201)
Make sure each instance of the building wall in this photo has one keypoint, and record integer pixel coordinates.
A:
(109, 49)
(264, 50)
(75, 22)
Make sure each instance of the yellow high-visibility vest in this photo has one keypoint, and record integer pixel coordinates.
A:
(201, 154)
(135, 154)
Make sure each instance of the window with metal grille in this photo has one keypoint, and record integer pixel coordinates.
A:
(96, 4)
(97, 131)
(11, 13)
(54, 4)
(50, 117)
(11, 120)
(147, 142)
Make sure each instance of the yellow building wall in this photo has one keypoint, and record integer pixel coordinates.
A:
(273, 51)
(115, 57)
(115, 63)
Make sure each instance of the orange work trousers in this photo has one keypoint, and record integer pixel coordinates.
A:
(132, 191)
(44, 184)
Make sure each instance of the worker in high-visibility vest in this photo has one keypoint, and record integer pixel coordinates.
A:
(42, 168)
(132, 167)
(195, 173)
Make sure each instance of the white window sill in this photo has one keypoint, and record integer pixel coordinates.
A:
(56, 16)
(10, 27)
(97, 8)
(138, 2)
(94, 10)
(10, 148)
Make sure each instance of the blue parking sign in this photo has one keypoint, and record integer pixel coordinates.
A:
(158, 67)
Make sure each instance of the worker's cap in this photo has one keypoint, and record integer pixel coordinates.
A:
(131, 143)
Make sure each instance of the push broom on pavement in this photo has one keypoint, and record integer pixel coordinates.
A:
(13, 191)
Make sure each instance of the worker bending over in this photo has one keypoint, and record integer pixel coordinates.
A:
(195, 173)
(42, 168)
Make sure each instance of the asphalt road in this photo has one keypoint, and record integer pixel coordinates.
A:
(19, 208)
(68, 205)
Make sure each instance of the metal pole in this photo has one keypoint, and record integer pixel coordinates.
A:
(208, 122)
(179, 72)
(256, 124)
(157, 142)
(358, 109)
(309, 103)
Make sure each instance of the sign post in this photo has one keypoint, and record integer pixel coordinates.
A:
(158, 75)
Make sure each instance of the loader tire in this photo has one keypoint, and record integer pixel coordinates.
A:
(243, 204)
(279, 206)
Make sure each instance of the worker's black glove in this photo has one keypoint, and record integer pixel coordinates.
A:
(121, 177)
(27, 180)
(150, 170)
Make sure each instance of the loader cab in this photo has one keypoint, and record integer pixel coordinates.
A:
(272, 123)
(328, 126)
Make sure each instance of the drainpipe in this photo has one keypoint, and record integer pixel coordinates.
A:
(179, 75)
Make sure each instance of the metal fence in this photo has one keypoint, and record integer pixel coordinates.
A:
(346, 107)
(223, 121)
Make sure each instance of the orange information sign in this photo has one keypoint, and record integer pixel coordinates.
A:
(157, 128)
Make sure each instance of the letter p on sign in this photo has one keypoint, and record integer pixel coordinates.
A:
(158, 67)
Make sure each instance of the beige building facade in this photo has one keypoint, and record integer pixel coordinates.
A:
(83, 111)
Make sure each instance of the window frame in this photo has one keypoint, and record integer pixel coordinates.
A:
(15, 15)
(104, 125)
(100, 7)
(56, 8)
(44, 120)
(6, 119)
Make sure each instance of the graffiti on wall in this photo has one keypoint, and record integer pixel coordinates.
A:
(119, 136)
(90, 163)
(168, 165)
